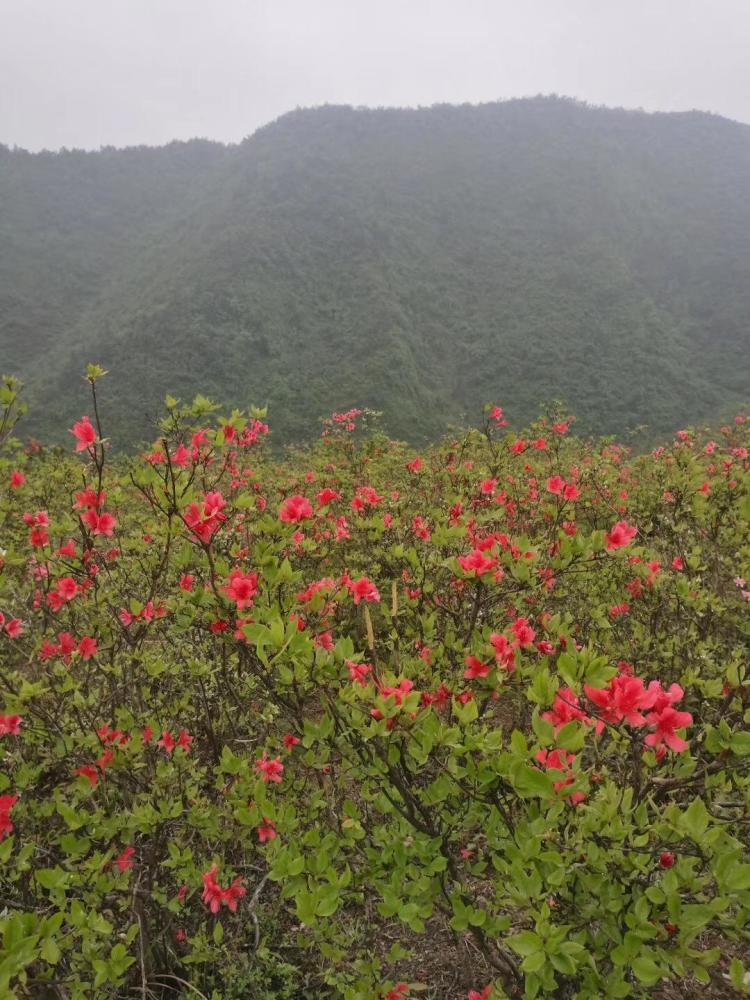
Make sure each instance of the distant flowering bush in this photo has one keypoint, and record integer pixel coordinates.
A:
(266, 726)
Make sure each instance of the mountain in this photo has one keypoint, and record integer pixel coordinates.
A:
(420, 262)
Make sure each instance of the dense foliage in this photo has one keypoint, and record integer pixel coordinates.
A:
(414, 261)
(370, 724)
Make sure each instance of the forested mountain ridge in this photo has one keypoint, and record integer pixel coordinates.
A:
(419, 262)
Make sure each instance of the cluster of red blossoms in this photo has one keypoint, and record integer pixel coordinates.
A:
(241, 588)
(98, 521)
(294, 509)
(204, 519)
(65, 646)
(626, 699)
(523, 636)
(215, 897)
(148, 612)
(112, 739)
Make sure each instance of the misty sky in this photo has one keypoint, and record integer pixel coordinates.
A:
(85, 73)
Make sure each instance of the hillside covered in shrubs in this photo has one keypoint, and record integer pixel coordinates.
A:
(413, 261)
(372, 722)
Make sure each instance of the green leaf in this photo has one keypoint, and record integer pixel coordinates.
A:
(646, 970)
(50, 951)
(738, 878)
(328, 901)
(530, 782)
(525, 943)
(694, 820)
(534, 961)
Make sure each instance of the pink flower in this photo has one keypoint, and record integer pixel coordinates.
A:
(6, 804)
(363, 590)
(270, 769)
(620, 534)
(14, 628)
(17, 479)
(89, 772)
(205, 519)
(565, 708)
(99, 524)
(38, 537)
(125, 862)
(477, 562)
(67, 588)
(504, 651)
(167, 741)
(10, 725)
(358, 672)
(326, 496)
(294, 509)
(89, 498)
(624, 699)
(87, 647)
(665, 722)
(214, 896)
(184, 740)
(267, 831)
(241, 588)
(523, 632)
(68, 549)
(84, 434)
(475, 668)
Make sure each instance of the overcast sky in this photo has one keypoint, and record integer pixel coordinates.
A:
(85, 73)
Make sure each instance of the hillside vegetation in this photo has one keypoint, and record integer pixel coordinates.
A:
(413, 261)
(371, 723)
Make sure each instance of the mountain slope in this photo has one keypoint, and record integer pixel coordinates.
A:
(420, 262)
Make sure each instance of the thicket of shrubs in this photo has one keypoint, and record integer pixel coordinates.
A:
(363, 723)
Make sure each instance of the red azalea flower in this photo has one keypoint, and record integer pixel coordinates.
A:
(10, 725)
(84, 434)
(6, 804)
(294, 509)
(125, 862)
(363, 590)
(475, 668)
(270, 769)
(620, 534)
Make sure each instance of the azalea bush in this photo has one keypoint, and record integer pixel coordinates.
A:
(338, 724)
